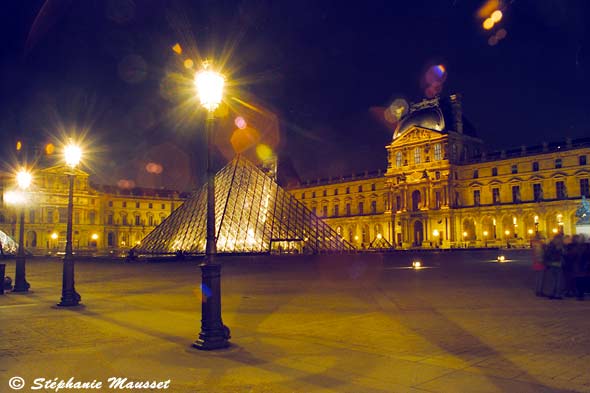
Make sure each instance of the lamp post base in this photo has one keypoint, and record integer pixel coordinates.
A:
(70, 299)
(214, 334)
(20, 282)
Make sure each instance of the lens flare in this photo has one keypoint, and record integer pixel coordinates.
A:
(264, 152)
(240, 122)
(154, 168)
(177, 48)
(188, 63)
(488, 24)
(496, 16)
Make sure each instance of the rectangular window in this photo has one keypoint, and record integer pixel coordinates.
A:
(537, 192)
(475, 174)
(32, 216)
(91, 217)
(325, 211)
(457, 200)
(348, 190)
(437, 200)
(437, 175)
(495, 195)
(437, 152)
(336, 192)
(373, 187)
(336, 212)
(124, 220)
(150, 205)
(360, 188)
(151, 219)
(560, 191)
(137, 220)
(476, 197)
(163, 206)
(361, 208)
(584, 191)
(302, 195)
(417, 155)
(124, 204)
(348, 209)
(325, 193)
(398, 203)
(514, 169)
(515, 194)
(558, 163)
(50, 216)
(63, 215)
(137, 205)
(110, 203)
(494, 171)
(77, 218)
(582, 160)
(398, 159)
(374, 207)
(535, 166)
(110, 219)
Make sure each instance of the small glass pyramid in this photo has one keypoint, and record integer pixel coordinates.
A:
(253, 214)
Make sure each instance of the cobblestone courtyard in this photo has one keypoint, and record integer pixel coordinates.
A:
(363, 323)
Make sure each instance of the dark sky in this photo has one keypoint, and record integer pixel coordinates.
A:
(322, 69)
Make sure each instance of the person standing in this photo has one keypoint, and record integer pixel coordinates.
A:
(553, 262)
(537, 246)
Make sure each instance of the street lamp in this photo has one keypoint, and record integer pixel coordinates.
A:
(436, 235)
(485, 238)
(69, 296)
(23, 180)
(214, 334)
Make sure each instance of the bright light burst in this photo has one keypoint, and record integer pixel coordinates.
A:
(23, 179)
(209, 86)
(72, 154)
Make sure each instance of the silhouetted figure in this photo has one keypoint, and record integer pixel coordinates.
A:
(538, 245)
(581, 271)
(553, 261)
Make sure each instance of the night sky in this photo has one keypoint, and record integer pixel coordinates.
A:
(319, 72)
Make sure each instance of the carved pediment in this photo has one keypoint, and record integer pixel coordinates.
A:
(416, 134)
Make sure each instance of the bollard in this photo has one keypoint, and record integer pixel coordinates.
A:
(2, 271)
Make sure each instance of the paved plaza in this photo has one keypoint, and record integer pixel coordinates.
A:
(357, 323)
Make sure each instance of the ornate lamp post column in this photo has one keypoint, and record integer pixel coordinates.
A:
(214, 334)
(23, 179)
(69, 296)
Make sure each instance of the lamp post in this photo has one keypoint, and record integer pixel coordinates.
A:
(23, 180)
(69, 296)
(436, 235)
(485, 238)
(214, 334)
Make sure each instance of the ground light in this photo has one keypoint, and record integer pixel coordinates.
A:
(416, 264)
(501, 258)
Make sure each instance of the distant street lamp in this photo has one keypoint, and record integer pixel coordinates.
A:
(69, 296)
(485, 238)
(214, 334)
(436, 235)
(23, 180)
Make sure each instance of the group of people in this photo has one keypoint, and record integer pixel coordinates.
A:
(565, 262)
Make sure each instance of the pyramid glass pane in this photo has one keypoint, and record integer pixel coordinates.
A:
(253, 214)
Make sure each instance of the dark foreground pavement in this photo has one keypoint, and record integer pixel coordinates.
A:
(302, 324)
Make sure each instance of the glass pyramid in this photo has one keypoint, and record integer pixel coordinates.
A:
(253, 214)
(9, 246)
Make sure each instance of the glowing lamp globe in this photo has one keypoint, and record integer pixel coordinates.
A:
(501, 258)
(72, 155)
(416, 264)
(209, 86)
(23, 179)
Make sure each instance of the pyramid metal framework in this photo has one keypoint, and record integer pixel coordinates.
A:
(253, 214)
(9, 246)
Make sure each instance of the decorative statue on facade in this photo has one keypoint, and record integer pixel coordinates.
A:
(583, 212)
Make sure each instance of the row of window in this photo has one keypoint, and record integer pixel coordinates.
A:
(347, 191)
(348, 209)
(63, 218)
(400, 161)
(535, 166)
(137, 221)
(560, 192)
(138, 205)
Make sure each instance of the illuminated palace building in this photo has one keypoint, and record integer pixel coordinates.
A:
(442, 189)
(105, 218)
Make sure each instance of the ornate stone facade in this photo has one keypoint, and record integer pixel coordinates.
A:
(442, 189)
